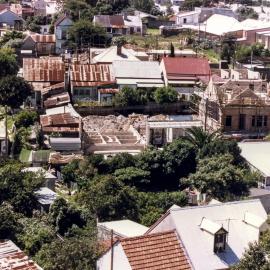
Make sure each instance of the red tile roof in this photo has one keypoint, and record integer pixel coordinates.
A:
(12, 258)
(181, 66)
(158, 251)
(114, 21)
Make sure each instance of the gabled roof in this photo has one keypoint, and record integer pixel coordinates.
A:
(114, 21)
(158, 251)
(177, 67)
(38, 38)
(199, 243)
(61, 19)
(110, 55)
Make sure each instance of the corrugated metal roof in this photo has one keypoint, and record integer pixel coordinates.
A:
(115, 21)
(57, 100)
(38, 38)
(12, 258)
(92, 73)
(59, 120)
(50, 69)
(179, 66)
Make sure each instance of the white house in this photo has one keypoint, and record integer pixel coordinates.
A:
(62, 26)
(161, 251)
(191, 17)
(257, 154)
(215, 236)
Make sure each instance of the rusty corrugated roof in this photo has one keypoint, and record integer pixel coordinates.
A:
(38, 38)
(57, 100)
(50, 69)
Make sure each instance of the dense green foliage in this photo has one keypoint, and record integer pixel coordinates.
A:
(244, 13)
(165, 95)
(13, 91)
(8, 63)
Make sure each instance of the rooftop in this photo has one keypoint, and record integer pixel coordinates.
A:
(109, 55)
(12, 258)
(95, 74)
(124, 228)
(48, 69)
(45, 196)
(155, 252)
(198, 243)
(177, 67)
(257, 154)
(114, 21)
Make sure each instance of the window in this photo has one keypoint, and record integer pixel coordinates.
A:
(185, 20)
(242, 121)
(251, 86)
(220, 241)
(228, 122)
(253, 121)
(265, 120)
(259, 120)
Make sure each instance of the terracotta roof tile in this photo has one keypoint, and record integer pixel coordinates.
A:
(59, 120)
(12, 258)
(57, 100)
(158, 251)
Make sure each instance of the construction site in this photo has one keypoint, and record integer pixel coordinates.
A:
(112, 134)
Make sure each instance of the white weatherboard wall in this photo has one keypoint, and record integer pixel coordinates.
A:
(120, 261)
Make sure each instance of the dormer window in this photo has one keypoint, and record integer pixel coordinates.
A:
(217, 231)
(220, 240)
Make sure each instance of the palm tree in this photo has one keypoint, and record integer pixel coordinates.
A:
(199, 137)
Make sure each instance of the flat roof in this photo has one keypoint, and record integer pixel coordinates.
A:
(257, 154)
(174, 124)
(45, 196)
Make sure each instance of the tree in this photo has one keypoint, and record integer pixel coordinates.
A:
(228, 46)
(143, 5)
(172, 54)
(69, 174)
(74, 253)
(25, 118)
(153, 204)
(85, 33)
(8, 63)
(244, 13)
(17, 188)
(9, 226)
(165, 94)
(34, 235)
(108, 199)
(11, 35)
(63, 216)
(78, 9)
(218, 178)
(198, 137)
(127, 96)
(13, 90)
(254, 258)
(133, 176)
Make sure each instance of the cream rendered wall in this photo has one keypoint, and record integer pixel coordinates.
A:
(120, 261)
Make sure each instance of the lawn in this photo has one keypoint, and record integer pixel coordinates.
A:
(24, 155)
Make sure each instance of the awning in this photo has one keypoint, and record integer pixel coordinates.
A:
(146, 85)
